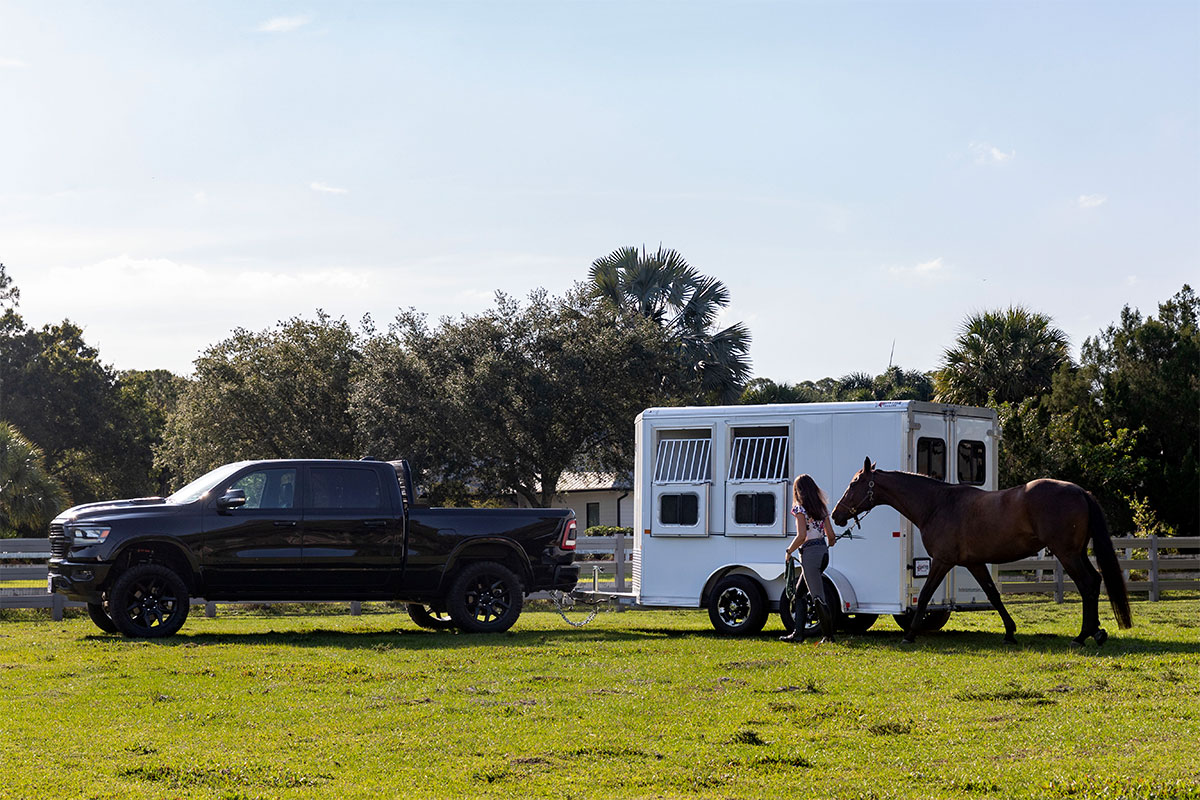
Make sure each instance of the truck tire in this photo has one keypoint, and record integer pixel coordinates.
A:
(427, 617)
(99, 616)
(148, 601)
(934, 620)
(485, 597)
(737, 606)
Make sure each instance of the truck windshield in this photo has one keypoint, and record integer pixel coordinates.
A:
(193, 491)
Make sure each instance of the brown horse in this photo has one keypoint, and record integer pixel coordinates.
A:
(970, 527)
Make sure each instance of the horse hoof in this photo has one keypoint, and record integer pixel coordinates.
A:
(1010, 639)
(1077, 643)
(906, 641)
(1101, 636)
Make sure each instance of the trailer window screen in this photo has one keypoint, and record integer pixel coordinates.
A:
(683, 461)
(679, 509)
(931, 457)
(759, 458)
(972, 468)
(754, 509)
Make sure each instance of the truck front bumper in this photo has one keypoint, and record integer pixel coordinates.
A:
(78, 580)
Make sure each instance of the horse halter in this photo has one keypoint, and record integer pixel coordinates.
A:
(868, 503)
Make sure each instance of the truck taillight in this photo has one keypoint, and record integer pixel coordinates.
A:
(570, 533)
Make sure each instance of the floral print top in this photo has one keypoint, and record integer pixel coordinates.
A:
(813, 528)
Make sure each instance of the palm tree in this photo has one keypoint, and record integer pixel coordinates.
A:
(661, 286)
(29, 495)
(1011, 355)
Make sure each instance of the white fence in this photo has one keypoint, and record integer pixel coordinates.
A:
(1152, 565)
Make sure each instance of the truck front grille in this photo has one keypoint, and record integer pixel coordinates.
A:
(60, 543)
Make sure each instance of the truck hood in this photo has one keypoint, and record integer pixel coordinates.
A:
(113, 508)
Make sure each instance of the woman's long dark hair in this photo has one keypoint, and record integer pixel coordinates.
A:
(810, 497)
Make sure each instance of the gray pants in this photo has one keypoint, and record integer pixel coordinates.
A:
(814, 558)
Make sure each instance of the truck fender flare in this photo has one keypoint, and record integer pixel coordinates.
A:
(184, 553)
(462, 553)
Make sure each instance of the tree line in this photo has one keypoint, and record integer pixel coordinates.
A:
(501, 403)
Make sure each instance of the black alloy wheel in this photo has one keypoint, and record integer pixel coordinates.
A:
(737, 606)
(429, 617)
(148, 601)
(485, 597)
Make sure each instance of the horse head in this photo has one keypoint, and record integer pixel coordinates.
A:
(859, 496)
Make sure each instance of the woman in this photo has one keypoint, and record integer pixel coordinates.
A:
(814, 537)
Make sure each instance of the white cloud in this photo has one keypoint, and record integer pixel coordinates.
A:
(1092, 200)
(317, 186)
(985, 153)
(12, 63)
(926, 270)
(285, 24)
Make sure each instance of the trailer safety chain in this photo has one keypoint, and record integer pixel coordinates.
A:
(561, 604)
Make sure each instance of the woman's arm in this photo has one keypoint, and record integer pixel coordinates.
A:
(829, 535)
(799, 538)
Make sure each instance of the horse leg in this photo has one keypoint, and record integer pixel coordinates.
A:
(984, 577)
(1087, 581)
(937, 571)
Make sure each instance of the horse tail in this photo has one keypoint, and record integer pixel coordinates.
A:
(1106, 557)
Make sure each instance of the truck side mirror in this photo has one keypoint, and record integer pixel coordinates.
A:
(233, 498)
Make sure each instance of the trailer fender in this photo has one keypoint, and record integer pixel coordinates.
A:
(847, 600)
(765, 573)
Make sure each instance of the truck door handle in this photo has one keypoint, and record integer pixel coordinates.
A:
(284, 523)
(374, 523)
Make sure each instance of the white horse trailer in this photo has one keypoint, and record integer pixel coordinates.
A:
(712, 520)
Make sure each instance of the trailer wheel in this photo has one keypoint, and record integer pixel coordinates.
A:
(934, 620)
(737, 606)
(148, 601)
(485, 597)
(101, 618)
(428, 617)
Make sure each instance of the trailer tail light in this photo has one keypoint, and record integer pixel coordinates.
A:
(570, 534)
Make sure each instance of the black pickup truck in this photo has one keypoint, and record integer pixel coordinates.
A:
(306, 530)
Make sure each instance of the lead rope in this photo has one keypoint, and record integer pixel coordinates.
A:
(562, 601)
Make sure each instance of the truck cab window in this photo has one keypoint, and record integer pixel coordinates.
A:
(757, 508)
(268, 488)
(931, 457)
(339, 488)
(679, 509)
(972, 467)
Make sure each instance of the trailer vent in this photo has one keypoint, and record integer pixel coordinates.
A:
(683, 461)
(759, 458)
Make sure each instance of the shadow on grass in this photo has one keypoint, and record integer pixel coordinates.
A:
(949, 641)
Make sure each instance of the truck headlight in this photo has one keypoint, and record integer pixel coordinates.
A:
(88, 534)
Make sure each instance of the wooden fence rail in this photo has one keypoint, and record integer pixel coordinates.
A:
(1152, 564)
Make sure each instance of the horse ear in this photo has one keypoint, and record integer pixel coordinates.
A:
(867, 465)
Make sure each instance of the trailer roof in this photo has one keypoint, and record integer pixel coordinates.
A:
(793, 409)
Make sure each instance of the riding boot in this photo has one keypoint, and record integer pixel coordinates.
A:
(826, 619)
(799, 621)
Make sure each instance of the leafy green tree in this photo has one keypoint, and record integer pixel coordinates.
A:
(761, 391)
(29, 496)
(662, 287)
(147, 398)
(278, 393)
(892, 384)
(1004, 355)
(1147, 378)
(10, 295)
(507, 400)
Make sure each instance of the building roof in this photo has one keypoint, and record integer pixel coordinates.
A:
(594, 482)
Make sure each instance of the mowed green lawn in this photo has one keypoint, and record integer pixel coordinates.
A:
(638, 704)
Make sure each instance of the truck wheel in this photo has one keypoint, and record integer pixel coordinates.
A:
(427, 617)
(101, 618)
(934, 620)
(737, 606)
(485, 597)
(148, 601)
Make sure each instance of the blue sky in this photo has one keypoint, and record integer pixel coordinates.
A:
(855, 172)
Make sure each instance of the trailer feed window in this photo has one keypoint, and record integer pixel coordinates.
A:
(759, 454)
(679, 509)
(757, 508)
(972, 466)
(931, 457)
(684, 457)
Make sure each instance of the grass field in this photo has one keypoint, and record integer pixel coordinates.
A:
(639, 704)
